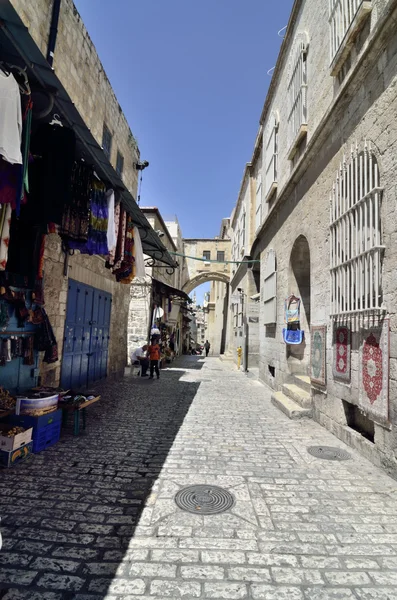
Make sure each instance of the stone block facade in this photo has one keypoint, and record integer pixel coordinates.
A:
(356, 107)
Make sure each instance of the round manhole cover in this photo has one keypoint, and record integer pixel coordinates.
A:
(328, 453)
(204, 499)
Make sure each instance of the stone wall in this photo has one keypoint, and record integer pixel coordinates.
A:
(77, 65)
(361, 110)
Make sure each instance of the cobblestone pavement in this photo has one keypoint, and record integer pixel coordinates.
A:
(94, 517)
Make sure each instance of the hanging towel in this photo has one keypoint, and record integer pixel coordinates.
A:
(111, 233)
(10, 119)
(139, 259)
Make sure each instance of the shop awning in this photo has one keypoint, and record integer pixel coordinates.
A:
(18, 47)
(167, 290)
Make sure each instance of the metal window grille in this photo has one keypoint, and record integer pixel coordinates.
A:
(106, 141)
(270, 289)
(119, 164)
(297, 89)
(355, 228)
(342, 15)
(271, 153)
(258, 212)
(207, 254)
(220, 256)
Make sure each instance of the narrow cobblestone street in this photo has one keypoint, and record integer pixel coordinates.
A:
(95, 517)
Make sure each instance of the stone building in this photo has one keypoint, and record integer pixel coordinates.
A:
(64, 69)
(325, 222)
(160, 280)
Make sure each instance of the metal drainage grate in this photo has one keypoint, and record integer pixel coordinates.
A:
(204, 499)
(328, 453)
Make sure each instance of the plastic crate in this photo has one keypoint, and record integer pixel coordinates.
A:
(13, 457)
(46, 436)
(37, 422)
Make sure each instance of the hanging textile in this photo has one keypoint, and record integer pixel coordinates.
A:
(126, 272)
(10, 119)
(76, 217)
(111, 232)
(97, 230)
(46, 340)
(117, 227)
(25, 250)
(5, 224)
(51, 173)
(120, 240)
(10, 177)
(139, 259)
(23, 181)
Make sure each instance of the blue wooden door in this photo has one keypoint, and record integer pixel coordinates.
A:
(83, 359)
(15, 376)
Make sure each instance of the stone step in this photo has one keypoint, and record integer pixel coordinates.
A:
(289, 407)
(302, 381)
(297, 394)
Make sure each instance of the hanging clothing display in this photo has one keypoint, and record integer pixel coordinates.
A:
(98, 227)
(112, 251)
(23, 180)
(53, 148)
(26, 246)
(5, 223)
(10, 119)
(120, 240)
(139, 259)
(126, 272)
(10, 177)
(46, 340)
(76, 216)
(111, 232)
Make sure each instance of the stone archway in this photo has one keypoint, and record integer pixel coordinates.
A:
(298, 356)
(204, 278)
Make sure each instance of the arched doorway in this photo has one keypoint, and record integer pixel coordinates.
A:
(298, 356)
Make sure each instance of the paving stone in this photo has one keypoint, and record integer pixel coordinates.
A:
(224, 557)
(249, 574)
(53, 581)
(176, 589)
(378, 593)
(117, 586)
(58, 565)
(175, 556)
(15, 559)
(225, 590)
(152, 570)
(202, 572)
(270, 592)
(17, 576)
(329, 594)
(30, 595)
(300, 576)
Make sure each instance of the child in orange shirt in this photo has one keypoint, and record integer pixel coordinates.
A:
(153, 353)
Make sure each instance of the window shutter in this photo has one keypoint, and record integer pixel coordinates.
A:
(270, 289)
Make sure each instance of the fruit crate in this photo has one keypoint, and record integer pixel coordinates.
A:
(36, 422)
(46, 436)
(13, 457)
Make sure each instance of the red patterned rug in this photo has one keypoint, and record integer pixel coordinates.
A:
(374, 371)
(341, 353)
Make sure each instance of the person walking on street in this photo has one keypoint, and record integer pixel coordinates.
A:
(207, 347)
(154, 357)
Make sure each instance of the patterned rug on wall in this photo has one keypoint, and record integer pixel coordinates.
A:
(374, 371)
(341, 362)
(318, 344)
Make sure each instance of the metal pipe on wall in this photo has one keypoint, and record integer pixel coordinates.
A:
(52, 39)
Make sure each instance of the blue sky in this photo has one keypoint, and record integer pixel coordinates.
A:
(191, 78)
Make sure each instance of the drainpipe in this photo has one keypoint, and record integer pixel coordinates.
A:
(53, 31)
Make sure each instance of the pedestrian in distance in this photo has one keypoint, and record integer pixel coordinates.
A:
(153, 353)
(207, 347)
(138, 357)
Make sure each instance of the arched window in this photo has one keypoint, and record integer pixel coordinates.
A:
(356, 236)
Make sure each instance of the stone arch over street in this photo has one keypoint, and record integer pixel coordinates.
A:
(206, 277)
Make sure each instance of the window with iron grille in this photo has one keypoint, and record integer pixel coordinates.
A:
(207, 254)
(106, 141)
(356, 244)
(297, 93)
(119, 164)
(220, 256)
(271, 155)
(345, 18)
